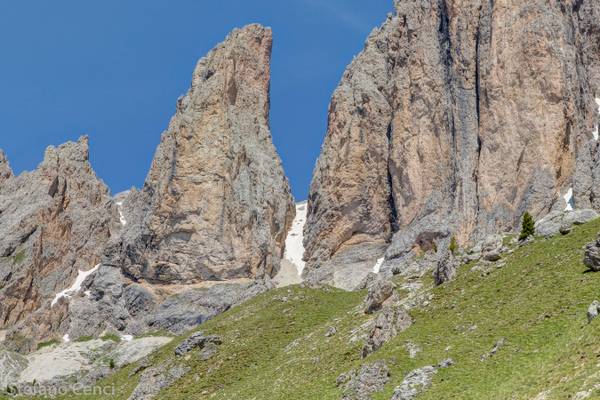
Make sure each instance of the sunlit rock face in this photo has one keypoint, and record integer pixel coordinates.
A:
(216, 203)
(457, 117)
(54, 222)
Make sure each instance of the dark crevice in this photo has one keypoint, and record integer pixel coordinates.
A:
(53, 187)
(389, 133)
(446, 59)
(207, 74)
(485, 17)
(477, 77)
(444, 35)
(391, 199)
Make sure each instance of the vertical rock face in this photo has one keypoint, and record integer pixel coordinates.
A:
(349, 200)
(457, 117)
(534, 108)
(54, 221)
(588, 17)
(216, 204)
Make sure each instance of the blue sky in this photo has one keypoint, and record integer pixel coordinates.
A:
(113, 69)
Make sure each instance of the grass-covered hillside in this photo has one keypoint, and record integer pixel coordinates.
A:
(275, 346)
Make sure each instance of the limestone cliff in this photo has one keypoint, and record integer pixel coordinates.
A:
(54, 222)
(457, 117)
(216, 203)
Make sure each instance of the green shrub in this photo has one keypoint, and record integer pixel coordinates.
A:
(84, 338)
(527, 227)
(111, 336)
(111, 364)
(19, 257)
(453, 245)
(49, 343)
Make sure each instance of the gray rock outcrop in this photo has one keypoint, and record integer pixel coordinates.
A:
(591, 257)
(196, 340)
(391, 317)
(387, 325)
(117, 303)
(446, 268)
(418, 381)
(593, 310)
(362, 383)
(380, 292)
(554, 222)
(497, 346)
(216, 204)
(154, 379)
(457, 117)
(54, 222)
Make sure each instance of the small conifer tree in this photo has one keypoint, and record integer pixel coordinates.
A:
(528, 226)
(453, 245)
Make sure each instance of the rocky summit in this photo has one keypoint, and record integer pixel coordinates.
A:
(216, 204)
(54, 223)
(457, 117)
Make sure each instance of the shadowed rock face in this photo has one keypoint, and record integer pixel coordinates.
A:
(54, 221)
(457, 117)
(216, 204)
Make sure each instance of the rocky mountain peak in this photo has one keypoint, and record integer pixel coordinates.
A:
(243, 57)
(216, 203)
(75, 152)
(54, 222)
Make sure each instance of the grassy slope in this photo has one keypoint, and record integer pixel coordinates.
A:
(275, 345)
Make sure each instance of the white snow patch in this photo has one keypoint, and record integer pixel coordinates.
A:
(378, 265)
(126, 338)
(569, 200)
(66, 338)
(76, 287)
(294, 248)
(121, 216)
